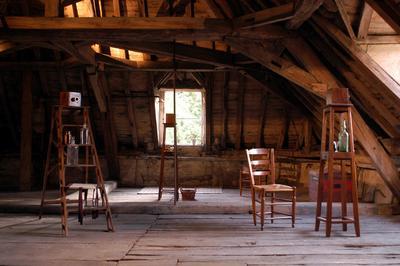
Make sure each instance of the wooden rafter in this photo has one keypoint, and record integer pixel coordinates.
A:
(345, 18)
(392, 87)
(384, 164)
(389, 11)
(281, 66)
(376, 109)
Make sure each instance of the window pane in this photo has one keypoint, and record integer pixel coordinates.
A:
(188, 117)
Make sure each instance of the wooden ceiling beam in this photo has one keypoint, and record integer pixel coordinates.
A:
(182, 52)
(160, 66)
(389, 11)
(264, 17)
(116, 23)
(304, 10)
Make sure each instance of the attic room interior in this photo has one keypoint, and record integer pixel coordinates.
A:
(199, 132)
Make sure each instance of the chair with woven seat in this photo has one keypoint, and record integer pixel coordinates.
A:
(261, 163)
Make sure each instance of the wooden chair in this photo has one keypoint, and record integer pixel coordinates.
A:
(262, 166)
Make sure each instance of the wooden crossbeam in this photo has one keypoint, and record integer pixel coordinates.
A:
(389, 11)
(266, 16)
(161, 66)
(182, 52)
(116, 23)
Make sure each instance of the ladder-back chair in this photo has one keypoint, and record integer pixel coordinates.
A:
(262, 166)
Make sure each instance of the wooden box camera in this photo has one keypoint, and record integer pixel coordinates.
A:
(69, 98)
(338, 96)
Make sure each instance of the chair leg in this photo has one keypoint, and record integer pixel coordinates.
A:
(262, 211)
(253, 205)
(293, 206)
(272, 206)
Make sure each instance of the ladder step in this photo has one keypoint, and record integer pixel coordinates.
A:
(80, 165)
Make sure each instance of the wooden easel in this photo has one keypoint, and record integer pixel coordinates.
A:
(169, 123)
(330, 156)
(91, 160)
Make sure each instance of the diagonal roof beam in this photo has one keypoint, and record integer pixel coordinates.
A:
(281, 66)
(345, 18)
(389, 11)
(364, 135)
(359, 55)
(365, 21)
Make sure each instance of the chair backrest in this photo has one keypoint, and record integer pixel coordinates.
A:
(261, 164)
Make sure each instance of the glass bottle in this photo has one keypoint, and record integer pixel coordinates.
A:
(72, 153)
(343, 138)
(84, 134)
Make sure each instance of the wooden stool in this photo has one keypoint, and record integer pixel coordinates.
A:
(330, 156)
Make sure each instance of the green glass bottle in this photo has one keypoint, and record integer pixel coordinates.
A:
(343, 138)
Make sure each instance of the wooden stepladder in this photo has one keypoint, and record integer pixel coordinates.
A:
(79, 157)
(330, 156)
(167, 150)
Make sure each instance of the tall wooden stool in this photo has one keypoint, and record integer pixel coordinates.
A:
(331, 112)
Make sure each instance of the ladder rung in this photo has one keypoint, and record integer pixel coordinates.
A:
(81, 165)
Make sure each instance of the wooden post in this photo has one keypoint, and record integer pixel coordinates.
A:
(7, 113)
(239, 114)
(209, 105)
(152, 111)
(307, 130)
(224, 109)
(25, 181)
(110, 135)
(51, 8)
(260, 134)
(131, 112)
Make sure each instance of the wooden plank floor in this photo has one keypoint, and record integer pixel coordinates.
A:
(196, 239)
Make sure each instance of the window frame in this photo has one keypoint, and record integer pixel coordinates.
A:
(160, 111)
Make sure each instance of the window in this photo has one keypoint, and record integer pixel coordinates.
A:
(190, 116)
